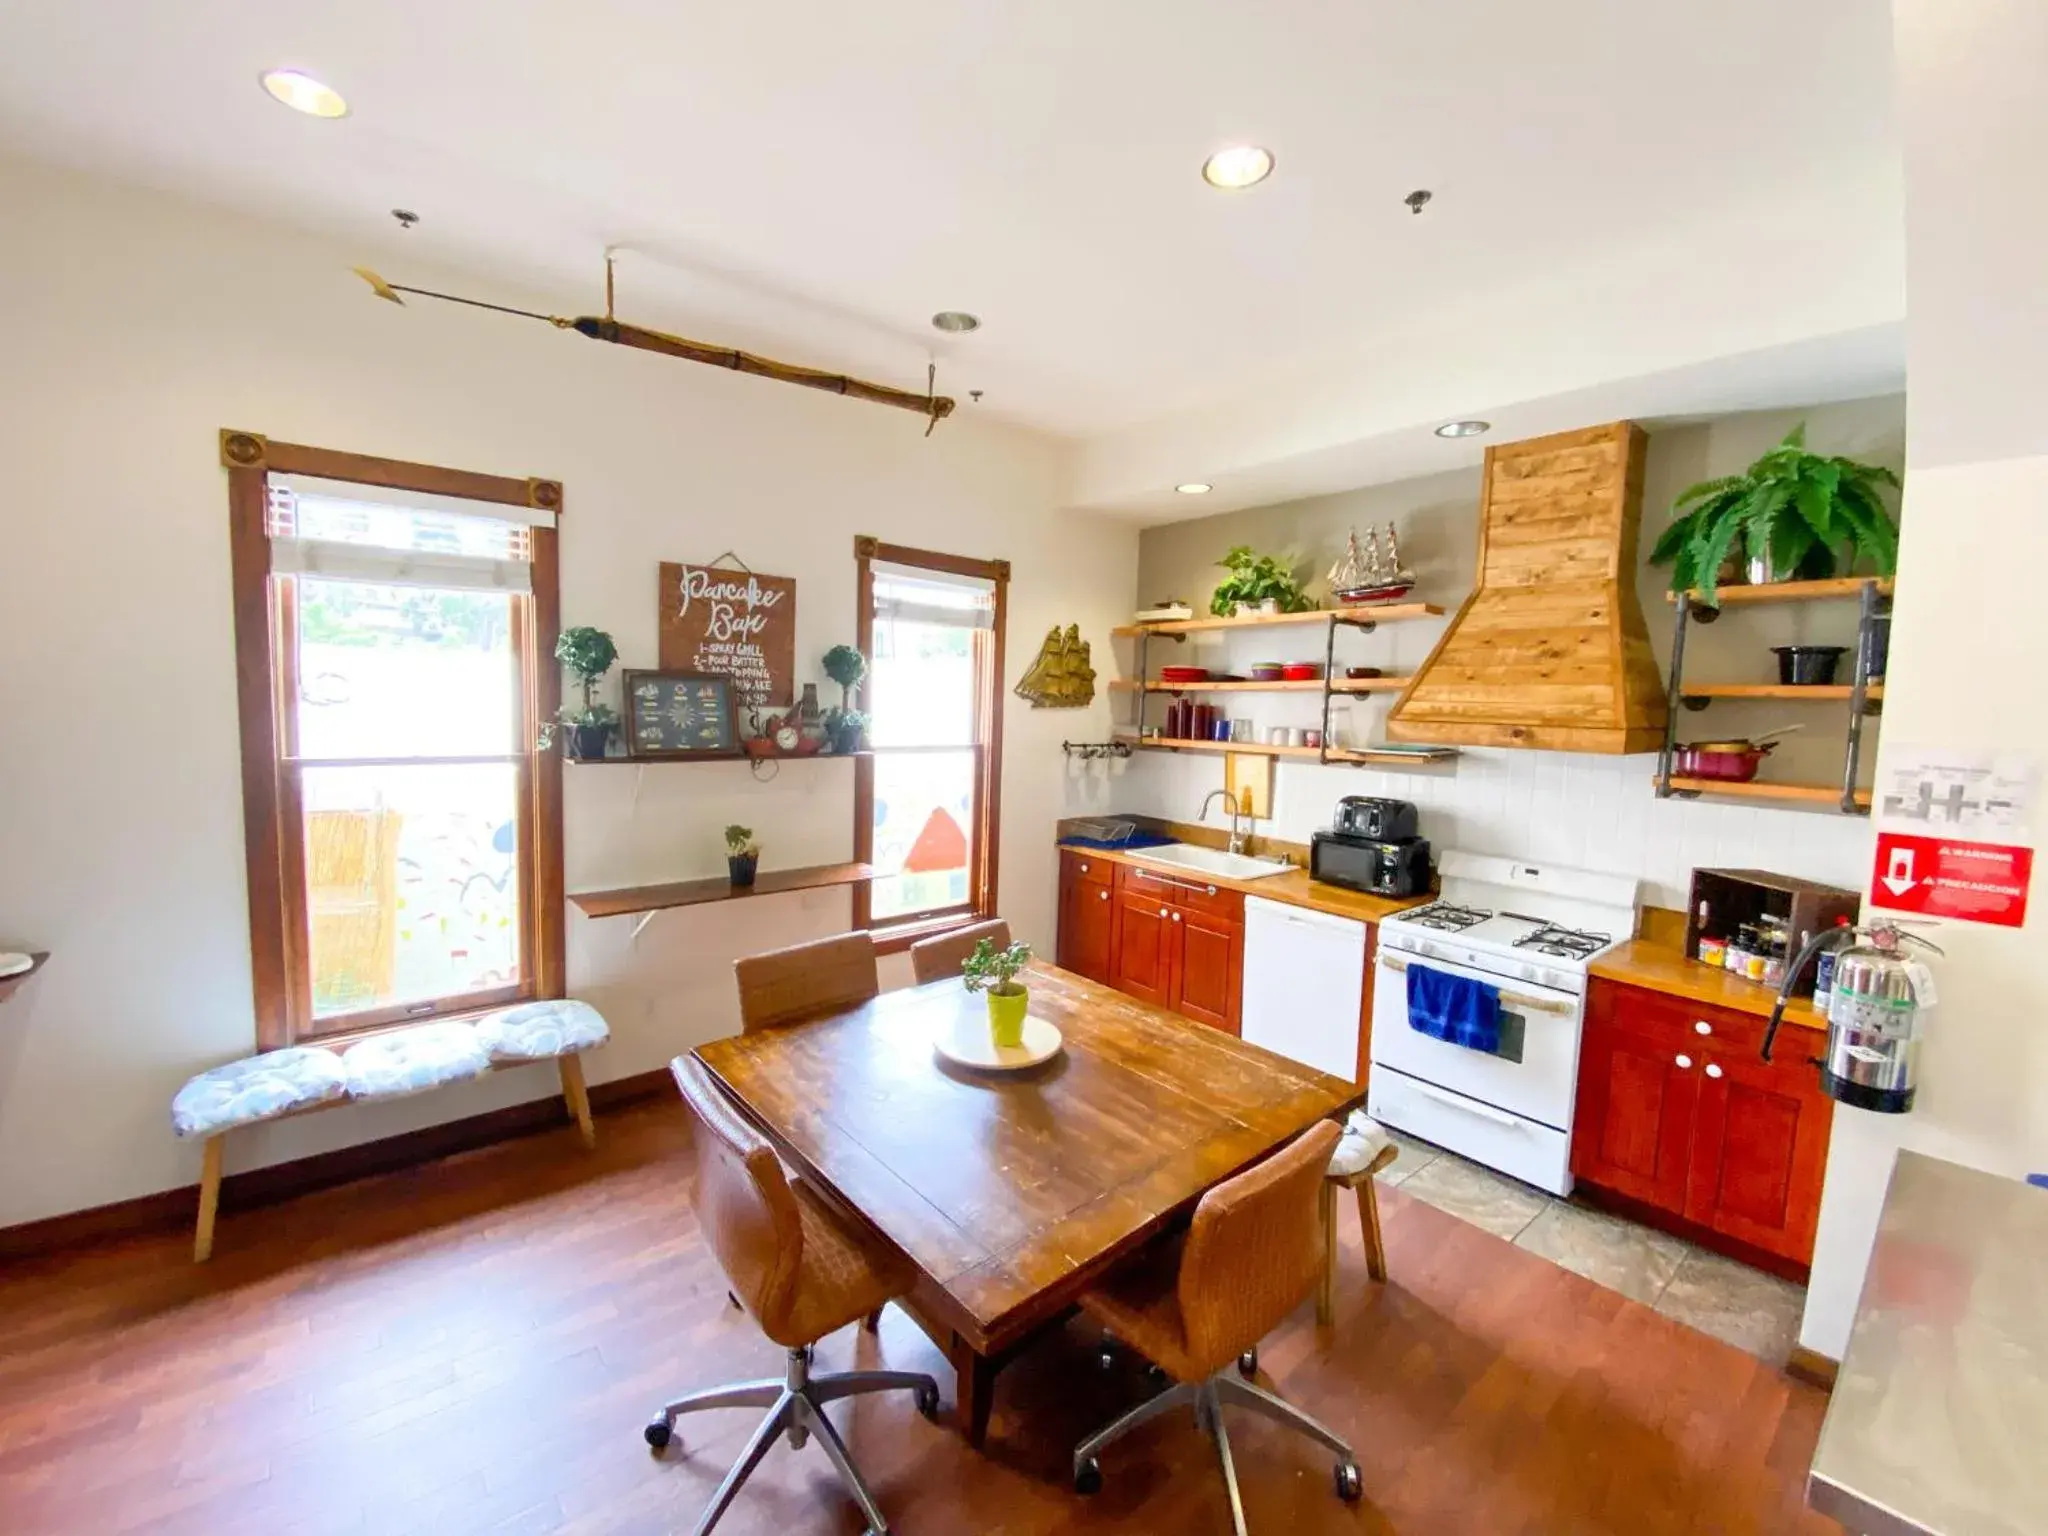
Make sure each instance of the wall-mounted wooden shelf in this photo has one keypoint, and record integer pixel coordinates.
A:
(1758, 789)
(1391, 613)
(1245, 748)
(1369, 684)
(715, 757)
(1836, 691)
(628, 900)
(1307, 685)
(1376, 758)
(1792, 591)
(37, 959)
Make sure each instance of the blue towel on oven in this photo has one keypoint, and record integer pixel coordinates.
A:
(1454, 1009)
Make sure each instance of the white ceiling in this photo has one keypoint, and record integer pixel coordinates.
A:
(815, 178)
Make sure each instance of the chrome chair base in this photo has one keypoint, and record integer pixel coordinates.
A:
(795, 1408)
(1208, 1399)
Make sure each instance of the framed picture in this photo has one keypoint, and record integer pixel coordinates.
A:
(679, 714)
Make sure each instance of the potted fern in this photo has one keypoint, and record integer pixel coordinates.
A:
(1788, 516)
(995, 971)
(742, 854)
(1256, 583)
(589, 654)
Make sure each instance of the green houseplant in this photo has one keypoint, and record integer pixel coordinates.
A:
(845, 726)
(1788, 514)
(1255, 580)
(995, 971)
(742, 854)
(589, 654)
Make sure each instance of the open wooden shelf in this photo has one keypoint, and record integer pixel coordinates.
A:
(37, 959)
(1369, 684)
(1390, 759)
(1305, 685)
(693, 893)
(1246, 748)
(1792, 591)
(1758, 789)
(1839, 691)
(714, 757)
(1391, 613)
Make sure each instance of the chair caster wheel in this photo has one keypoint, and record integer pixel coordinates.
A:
(1088, 1477)
(658, 1434)
(1350, 1483)
(1248, 1364)
(1156, 1375)
(928, 1402)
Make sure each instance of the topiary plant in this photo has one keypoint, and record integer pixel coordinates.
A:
(846, 667)
(589, 654)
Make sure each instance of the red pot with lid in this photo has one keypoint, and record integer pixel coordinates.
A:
(1730, 762)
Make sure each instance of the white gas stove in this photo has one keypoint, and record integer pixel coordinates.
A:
(1530, 931)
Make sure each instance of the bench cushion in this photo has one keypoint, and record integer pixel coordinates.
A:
(258, 1088)
(541, 1031)
(415, 1060)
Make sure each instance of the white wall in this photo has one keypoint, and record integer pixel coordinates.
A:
(1970, 624)
(132, 328)
(1598, 812)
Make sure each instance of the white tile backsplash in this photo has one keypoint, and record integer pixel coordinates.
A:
(1565, 808)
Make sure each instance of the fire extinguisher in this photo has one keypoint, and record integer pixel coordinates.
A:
(1875, 1010)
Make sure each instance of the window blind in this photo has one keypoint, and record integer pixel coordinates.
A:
(904, 595)
(395, 538)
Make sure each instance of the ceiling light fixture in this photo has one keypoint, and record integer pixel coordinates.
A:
(1194, 488)
(302, 93)
(1241, 165)
(955, 322)
(1463, 428)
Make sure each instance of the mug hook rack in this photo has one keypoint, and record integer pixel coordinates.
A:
(1095, 749)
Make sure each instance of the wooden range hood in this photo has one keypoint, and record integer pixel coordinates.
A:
(1549, 651)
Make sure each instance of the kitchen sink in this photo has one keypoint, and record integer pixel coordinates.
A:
(1213, 861)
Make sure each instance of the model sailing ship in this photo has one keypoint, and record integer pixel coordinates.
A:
(1063, 676)
(1369, 575)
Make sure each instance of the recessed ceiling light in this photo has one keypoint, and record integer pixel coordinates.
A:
(302, 93)
(1194, 488)
(1463, 428)
(1241, 165)
(956, 322)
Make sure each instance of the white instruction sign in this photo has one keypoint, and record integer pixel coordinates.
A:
(1941, 792)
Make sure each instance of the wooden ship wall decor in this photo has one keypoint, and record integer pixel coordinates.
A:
(1062, 676)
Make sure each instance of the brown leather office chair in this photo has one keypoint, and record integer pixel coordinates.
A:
(806, 981)
(935, 959)
(1197, 1306)
(802, 1273)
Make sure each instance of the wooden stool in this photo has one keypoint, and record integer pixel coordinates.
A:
(1368, 1225)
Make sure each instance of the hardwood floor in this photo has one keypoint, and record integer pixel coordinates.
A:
(473, 1346)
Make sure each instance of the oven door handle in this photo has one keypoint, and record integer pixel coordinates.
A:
(1452, 1101)
(1508, 999)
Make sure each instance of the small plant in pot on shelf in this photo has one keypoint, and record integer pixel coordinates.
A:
(845, 727)
(742, 854)
(995, 971)
(1789, 516)
(1256, 583)
(589, 654)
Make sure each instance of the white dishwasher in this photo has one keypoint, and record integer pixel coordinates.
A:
(1304, 979)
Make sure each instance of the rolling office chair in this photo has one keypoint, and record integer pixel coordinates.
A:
(802, 1273)
(1197, 1306)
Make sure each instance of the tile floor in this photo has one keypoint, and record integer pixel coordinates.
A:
(1732, 1302)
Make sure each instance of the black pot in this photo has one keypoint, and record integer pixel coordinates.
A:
(741, 867)
(1808, 666)
(588, 741)
(1877, 646)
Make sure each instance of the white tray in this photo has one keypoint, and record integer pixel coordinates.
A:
(965, 1040)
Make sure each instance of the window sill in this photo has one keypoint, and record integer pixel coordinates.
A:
(342, 1039)
(896, 938)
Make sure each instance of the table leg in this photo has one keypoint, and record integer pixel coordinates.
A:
(974, 1389)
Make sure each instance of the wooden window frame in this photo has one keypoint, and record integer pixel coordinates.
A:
(898, 933)
(279, 937)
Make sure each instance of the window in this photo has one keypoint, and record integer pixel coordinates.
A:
(395, 628)
(925, 803)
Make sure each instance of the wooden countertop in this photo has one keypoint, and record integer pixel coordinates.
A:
(1295, 888)
(1662, 968)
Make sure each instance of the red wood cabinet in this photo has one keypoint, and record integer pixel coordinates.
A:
(1678, 1112)
(1087, 916)
(1208, 976)
(1144, 948)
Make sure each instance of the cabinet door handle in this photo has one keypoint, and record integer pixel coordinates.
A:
(1712, 1070)
(1084, 866)
(1176, 917)
(1162, 911)
(1102, 895)
(1702, 1027)
(1685, 1061)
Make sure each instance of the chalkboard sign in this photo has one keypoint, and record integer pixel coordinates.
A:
(679, 714)
(733, 623)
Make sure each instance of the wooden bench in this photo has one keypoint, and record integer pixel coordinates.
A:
(303, 1079)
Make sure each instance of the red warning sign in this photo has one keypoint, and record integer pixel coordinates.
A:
(1941, 877)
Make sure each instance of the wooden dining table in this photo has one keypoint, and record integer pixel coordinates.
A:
(1012, 1193)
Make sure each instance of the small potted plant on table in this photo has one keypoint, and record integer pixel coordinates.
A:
(589, 653)
(845, 726)
(995, 971)
(742, 854)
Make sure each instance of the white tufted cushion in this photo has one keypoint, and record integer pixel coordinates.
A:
(1363, 1140)
(541, 1031)
(414, 1060)
(257, 1088)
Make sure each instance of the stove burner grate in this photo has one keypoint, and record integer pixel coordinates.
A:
(1566, 943)
(1445, 916)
